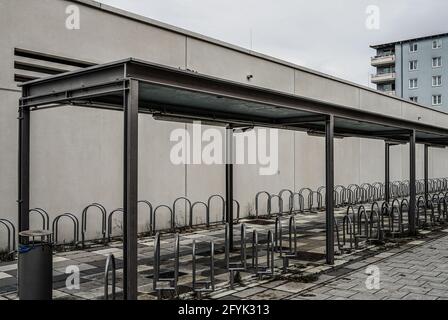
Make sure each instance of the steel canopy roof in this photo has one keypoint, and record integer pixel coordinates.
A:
(179, 95)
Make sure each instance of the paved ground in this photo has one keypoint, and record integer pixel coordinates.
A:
(408, 269)
(417, 270)
(91, 261)
(420, 273)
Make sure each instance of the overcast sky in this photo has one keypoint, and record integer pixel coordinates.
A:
(326, 35)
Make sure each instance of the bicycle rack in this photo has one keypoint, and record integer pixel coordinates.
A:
(11, 232)
(149, 205)
(430, 205)
(154, 220)
(55, 228)
(311, 201)
(110, 263)
(174, 209)
(395, 229)
(290, 201)
(238, 208)
(84, 222)
(354, 193)
(404, 204)
(421, 205)
(207, 213)
(378, 191)
(200, 287)
(45, 217)
(340, 195)
(321, 197)
(375, 215)
(361, 223)
(260, 271)
(310, 204)
(110, 220)
(278, 237)
(240, 265)
(223, 206)
(301, 203)
(292, 244)
(171, 282)
(442, 209)
(280, 205)
(347, 231)
(257, 207)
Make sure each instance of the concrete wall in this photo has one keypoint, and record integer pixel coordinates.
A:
(77, 153)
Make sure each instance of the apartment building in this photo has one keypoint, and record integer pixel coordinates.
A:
(414, 69)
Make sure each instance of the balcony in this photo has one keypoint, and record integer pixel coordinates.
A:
(383, 78)
(383, 60)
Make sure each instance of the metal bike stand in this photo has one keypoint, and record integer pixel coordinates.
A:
(11, 233)
(241, 265)
(171, 282)
(200, 287)
(269, 268)
(110, 267)
(292, 244)
(35, 266)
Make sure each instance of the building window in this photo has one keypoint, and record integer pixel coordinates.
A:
(413, 65)
(437, 62)
(413, 47)
(413, 83)
(436, 81)
(437, 44)
(437, 100)
(414, 99)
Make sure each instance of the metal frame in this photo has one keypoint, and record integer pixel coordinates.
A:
(103, 86)
(110, 267)
(329, 178)
(412, 187)
(387, 172)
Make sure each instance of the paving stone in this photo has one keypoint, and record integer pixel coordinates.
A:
(247, 293)
(270, 294)
(341, 293)
(294, 287)
(416, 296)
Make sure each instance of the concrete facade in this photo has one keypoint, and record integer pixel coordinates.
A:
(76, 154)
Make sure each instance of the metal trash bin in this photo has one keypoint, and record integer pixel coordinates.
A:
(35, 266)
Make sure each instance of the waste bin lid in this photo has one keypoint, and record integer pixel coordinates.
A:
(35, 233)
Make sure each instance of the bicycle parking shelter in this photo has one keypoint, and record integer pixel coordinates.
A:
(136, 86)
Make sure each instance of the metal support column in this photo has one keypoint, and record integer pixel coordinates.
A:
(130, 191)
(24, 169)
(387, 173)
(426, 157)
(229, 183)
(329, 175)
(412, 191)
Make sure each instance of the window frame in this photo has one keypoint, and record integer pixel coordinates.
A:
(435, 66)
(438, 42)
(415, 63)
(413, 80)
(437, 83)
(436, 96)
